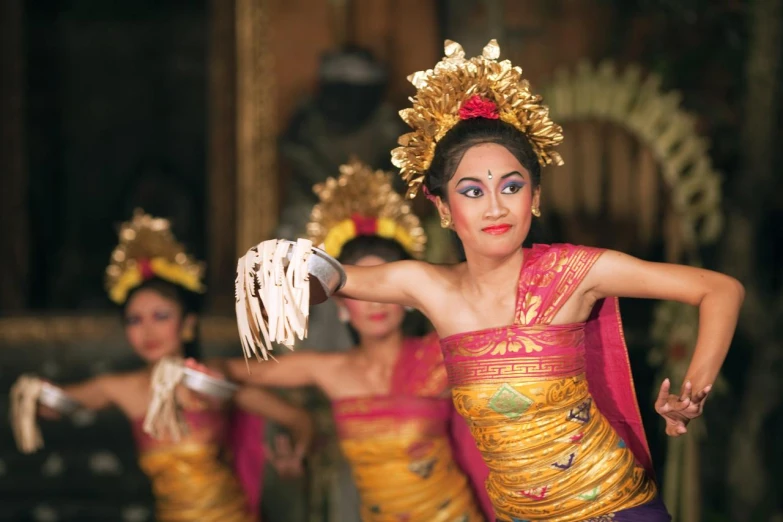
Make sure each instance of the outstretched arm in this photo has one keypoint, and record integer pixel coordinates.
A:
(718, 297)
(93, 394)
(290, 371)
(402, 282)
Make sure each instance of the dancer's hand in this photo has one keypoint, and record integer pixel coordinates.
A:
(286, 459)
(679, 410)
(192, 400)
(45, 412)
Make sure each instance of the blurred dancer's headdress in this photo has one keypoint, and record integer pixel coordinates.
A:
(460, 89)
(148, 249)
(362, 202)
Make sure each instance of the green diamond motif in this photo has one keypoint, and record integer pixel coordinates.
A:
(509, 402)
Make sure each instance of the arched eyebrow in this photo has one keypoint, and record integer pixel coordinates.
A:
(512, 173)
(504, 176)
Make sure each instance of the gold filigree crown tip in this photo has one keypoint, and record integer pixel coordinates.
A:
(148, 248)
(457, 89)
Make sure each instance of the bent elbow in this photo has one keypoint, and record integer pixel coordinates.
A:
(734, 288)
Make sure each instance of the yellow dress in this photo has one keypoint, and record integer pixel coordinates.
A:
(191, 481)
(400, 449)
(523, 389)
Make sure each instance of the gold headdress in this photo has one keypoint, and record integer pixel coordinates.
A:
(462, 89)
(149, 249)
(363, 202)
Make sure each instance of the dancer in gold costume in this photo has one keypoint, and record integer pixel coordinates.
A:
(157, 284)
(531, 337)
(390, 397)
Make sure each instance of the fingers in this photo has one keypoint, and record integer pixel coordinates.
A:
(685, 393)
(203, 368)
(676, 431)
(283, 459)
(48, 413)
(663, 395)
(283, 445)
(700, 396)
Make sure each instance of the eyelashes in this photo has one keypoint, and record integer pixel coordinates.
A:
(512, 187)
(133, 319)
(471, 191)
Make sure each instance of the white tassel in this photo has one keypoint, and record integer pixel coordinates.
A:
(163, 417)
(273, 296)
(24, 410)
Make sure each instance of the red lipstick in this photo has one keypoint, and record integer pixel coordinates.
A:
(496, 230)
(380, 316)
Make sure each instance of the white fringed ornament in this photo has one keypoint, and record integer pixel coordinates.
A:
(273, 296)
(24, 397)
(164, 419)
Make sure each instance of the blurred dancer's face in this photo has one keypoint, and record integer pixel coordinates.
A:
(373, 320)
(490, 198)
(153, 325)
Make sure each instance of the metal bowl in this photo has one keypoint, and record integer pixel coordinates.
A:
(327, 274)
(208, 385)
(56, 399)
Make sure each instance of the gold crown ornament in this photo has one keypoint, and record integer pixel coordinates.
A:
(362, 202)
(459, 89)
(149, 249)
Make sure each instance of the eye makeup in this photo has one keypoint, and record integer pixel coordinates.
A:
(470, 191)
(512, 187)
(162, 315)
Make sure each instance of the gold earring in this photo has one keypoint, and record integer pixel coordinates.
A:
(536, 211)
(188, 335)
(343, 315)
(445, 221)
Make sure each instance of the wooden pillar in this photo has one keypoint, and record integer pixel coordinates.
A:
(243, 178)
(221, 177)
(256, 129)
(14, 225)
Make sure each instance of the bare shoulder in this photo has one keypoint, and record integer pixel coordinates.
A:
(412, 269)
(327, 359)
(440, 280)
(331, 367)
(119, 385)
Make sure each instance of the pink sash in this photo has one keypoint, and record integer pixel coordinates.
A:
(550, 274)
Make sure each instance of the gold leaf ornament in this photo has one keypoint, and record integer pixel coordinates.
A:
(441, 92)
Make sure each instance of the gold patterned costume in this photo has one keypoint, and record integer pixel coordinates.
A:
(553, 453)
(400, 445)
(191, 479)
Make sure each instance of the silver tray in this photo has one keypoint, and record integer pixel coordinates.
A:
(328, 276)
(54, 398)
(208, 385)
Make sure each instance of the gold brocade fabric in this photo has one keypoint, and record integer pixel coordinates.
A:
(552, 455)
(192, 484)
(402, 463)
(523, 388)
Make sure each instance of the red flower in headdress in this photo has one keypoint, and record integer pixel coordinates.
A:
(478, 107)
(145, 267)
(365, 225)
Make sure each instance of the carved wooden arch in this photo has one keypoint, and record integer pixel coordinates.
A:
(625, 107)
